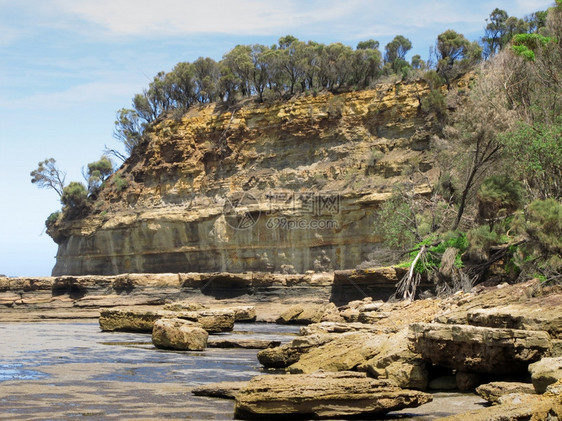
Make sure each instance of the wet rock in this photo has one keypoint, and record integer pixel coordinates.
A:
(285, 355)
(179, 334)
(493, 391)
(225, 390)
(242, 343)
(479, 349)
(322, 395)
(545, 372)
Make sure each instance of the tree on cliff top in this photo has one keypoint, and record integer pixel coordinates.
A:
(47, 175)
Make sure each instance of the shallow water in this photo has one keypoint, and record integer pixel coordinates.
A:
(69, 371)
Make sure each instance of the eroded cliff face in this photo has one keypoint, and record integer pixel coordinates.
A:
(290, 187)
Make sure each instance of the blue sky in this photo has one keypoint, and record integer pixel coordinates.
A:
(66, 66)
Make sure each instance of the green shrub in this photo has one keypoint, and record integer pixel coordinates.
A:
(120, 182)
(52, 218)
(499, 196)
(435, 250)
(74, 196)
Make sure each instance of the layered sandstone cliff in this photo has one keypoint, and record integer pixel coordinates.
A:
(289, 187)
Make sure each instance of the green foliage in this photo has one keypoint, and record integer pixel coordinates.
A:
(52, 218)
(129, 129)
(525, 45)
(394, 223)
(455, 54)
(536, 153)
(98, 172)
(120, 182)
(499, 196)
(435, 250)
(541, 226)
(47, 175)
(74, 197)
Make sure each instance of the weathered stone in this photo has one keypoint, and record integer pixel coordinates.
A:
(493, 391)
(516, 407)
(184, 306)
(242, 343)
(216, 321)
(345, 352)
(467, 381)
(479, 349)
(287, 354)
(128, 320)
(310, 313)
(179, 334)
(322, 395)
(395, 361)
(141, 319)
(225, 390)
(244, 313)
(336, 327)
(289, 314)
(545, 372)
(518, 316)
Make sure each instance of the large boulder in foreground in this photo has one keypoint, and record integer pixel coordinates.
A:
(545, 372)
(479, 349)
(322, 395)
(383, 356)
(179, 334)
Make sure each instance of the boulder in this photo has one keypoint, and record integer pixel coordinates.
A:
(493, 391)
(225, 390)
(395, 361)
(244, 313)
(467, 381)
(345, 352)
(141, 319)
(322, 395)
(216, 321)
(479, 349)
(179, 334)
(285, 355)
(128, 320)
(545, 372)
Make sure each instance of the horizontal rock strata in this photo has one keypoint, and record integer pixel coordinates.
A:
(322, 395)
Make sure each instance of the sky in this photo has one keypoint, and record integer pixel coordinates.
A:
(67, 66)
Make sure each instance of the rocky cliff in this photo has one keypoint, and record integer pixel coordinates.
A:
(289, 186)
